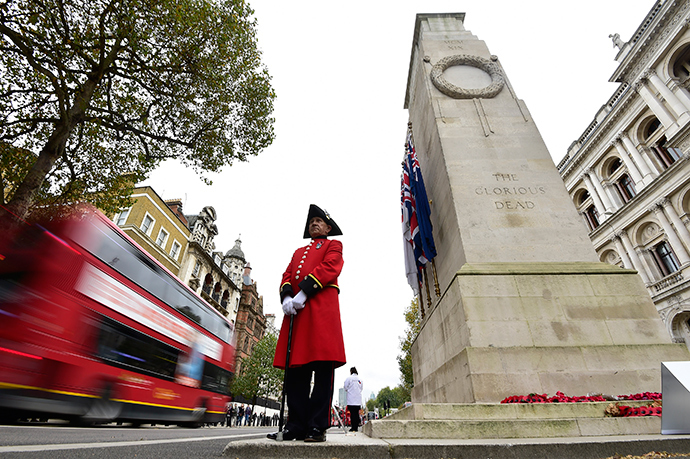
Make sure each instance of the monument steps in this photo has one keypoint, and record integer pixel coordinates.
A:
(484, 421)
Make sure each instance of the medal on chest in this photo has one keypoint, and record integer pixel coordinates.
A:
(319, 244)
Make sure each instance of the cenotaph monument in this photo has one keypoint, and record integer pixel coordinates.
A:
(525, 305)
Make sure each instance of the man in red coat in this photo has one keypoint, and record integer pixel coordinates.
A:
(309, 291)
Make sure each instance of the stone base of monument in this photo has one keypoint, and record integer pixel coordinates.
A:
(503, 329)
(493, 421)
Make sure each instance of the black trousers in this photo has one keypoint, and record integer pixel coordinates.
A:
(354, 416)
(309, 408)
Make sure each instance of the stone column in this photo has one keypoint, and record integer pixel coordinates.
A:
(676, 105)
(595, 196)
(681, 93)
(647, 174)
(652, 269)
(614, 196)
(655, 105)
(673, 238)
(606, 202)
(629, 164)
(634, 256)
(622, 252)
(681, 229)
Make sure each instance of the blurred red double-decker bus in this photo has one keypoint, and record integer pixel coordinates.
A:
(92, 329)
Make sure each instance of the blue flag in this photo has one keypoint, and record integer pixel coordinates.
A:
(421, 202)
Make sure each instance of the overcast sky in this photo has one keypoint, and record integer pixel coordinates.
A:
(340, 73)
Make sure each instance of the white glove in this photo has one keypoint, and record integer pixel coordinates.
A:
(299, 300)
(288, 307)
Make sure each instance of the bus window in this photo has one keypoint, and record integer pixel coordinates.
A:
(125, 347)
(216, 379)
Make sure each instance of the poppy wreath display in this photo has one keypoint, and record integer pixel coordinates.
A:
(560, 397)
(612, 410)
(617, 410)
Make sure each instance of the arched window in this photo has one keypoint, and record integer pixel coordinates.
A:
(614, 166)
(681, 67)
(665, 258)
(208, 284)
(216, 291)
(666, 155)
(592, 217)
(626, 187)
(651, 128)
(583, 197)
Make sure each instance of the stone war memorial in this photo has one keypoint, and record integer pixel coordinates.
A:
(525, 306)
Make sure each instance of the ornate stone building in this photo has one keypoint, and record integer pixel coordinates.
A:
(206, 270)
(628, 174)
(251, 322)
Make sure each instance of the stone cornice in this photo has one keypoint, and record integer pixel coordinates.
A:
(664, 22)
(672, 15)
(593, 142)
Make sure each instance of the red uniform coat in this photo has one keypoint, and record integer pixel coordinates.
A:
(316, 331)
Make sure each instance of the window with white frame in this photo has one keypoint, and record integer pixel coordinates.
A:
(162, 238)
(197, 268)
(665, 258)
(175, 250)
(121, 217)
(147, 224)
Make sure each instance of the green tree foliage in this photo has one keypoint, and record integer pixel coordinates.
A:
(371, 404)
(414, 323)
(396, 396)
(94, 89)
(257, 376)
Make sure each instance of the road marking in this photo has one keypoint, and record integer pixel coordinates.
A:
(111, 444)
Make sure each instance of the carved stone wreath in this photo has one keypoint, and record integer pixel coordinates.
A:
(488, 92)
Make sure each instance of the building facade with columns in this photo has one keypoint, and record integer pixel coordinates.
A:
(628, 174)
(206, 270)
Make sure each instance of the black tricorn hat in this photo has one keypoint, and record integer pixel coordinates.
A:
(316, 211)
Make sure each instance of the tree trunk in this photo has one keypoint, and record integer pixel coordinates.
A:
(23, 198)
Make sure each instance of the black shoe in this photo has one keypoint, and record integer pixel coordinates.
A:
(315, 436)
(288, 435)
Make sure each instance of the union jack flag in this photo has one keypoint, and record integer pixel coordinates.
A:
(419, 246)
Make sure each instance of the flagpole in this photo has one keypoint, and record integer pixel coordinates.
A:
(421, 300)
(426, 285)
(433, 269)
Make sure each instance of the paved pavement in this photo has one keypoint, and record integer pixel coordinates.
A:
(359, 446)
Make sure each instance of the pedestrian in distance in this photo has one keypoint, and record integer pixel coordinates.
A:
(353, 388)
(229, 415)
(309, 292)
(240, 415)
(247, 415)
